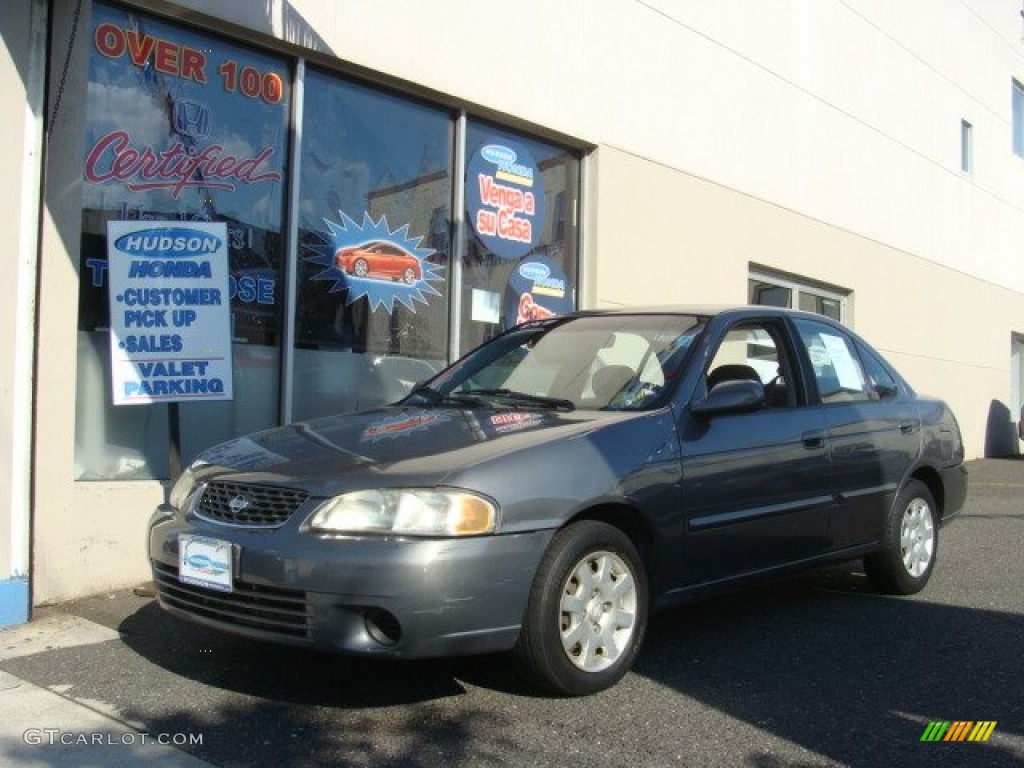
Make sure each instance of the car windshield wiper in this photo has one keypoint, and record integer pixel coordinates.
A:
(557, 403)
(433, 396)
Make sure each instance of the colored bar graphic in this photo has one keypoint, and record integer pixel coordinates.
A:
(935, 730)
(982, 731)
(959, 730)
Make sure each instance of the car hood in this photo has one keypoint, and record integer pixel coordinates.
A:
(390, 446)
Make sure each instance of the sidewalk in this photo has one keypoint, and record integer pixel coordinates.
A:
(45, 727)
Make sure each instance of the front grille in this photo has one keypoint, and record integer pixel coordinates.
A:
(272, 610)
(249, 505)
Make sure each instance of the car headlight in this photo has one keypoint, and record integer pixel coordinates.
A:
(408, 511)
(182, 489)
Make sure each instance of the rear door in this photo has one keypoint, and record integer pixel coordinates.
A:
(873, 429)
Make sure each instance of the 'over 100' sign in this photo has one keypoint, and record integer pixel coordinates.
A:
(170, 321)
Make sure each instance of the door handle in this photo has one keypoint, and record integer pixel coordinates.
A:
(908, 428)
(815, 438)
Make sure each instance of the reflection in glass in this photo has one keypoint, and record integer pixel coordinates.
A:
(554, 246)
(820, 305)
(140, 109)
(374, 232)
(769, 295)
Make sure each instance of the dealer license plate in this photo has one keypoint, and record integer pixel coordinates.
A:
(204, 562)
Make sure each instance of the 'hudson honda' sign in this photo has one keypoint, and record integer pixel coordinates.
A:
(170, 319)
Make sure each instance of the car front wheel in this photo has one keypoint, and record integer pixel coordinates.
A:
(905, 560)
(587, 611)
(361, 268)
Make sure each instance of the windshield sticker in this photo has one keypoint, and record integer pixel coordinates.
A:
(372, 260)
(505, 198)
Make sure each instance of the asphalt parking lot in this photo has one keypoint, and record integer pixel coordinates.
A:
(811, 671)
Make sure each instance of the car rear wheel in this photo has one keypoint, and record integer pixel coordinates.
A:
(904, 562)
(409, 275)
(587, 611)
(361, 268)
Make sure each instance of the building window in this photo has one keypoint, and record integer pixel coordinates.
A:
(135, 113)
(1018, 119)
(371, 314)
(771, 290)
(384, 285)
(520, 258)
(966, 147)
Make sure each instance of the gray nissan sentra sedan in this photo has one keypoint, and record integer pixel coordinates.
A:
(547, 491)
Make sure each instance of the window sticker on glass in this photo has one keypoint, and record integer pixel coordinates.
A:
(486, 306)
(371, 259)
(846, 369)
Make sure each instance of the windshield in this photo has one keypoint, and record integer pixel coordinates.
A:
(613, 362)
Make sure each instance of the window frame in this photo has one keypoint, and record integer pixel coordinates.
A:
(788, 358)
(798, 287)
(1017, 117)
(856, 354)
(966, 147)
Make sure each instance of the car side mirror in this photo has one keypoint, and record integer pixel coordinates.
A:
(741, 396)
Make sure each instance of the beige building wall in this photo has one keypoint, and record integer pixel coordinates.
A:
(87, 536)
(818, 174)
(659, 236)
(22, 26)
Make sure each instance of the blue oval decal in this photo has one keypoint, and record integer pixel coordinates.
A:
(497, 154)
(533, 270)
(198, 561)
(168, 243)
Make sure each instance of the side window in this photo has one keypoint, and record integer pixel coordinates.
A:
(754, 351)
(883, 384)
(837, 368)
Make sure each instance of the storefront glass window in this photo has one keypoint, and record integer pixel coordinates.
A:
(520, 260)
(375, 191)
(185, 127)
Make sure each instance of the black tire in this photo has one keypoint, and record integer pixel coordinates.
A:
(605, 649)
(910, 543)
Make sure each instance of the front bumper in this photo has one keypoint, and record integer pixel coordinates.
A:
(378, 595)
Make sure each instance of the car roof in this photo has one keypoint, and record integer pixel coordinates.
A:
(709, 310)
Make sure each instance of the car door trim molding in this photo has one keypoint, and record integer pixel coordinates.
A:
(721, 519)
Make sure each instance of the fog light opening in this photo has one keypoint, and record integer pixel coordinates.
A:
(382, 626)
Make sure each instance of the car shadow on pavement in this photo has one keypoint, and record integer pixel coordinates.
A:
(820, 662)
(298, 675)
(824, 662)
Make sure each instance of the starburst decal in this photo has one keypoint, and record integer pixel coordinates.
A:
(372, 260)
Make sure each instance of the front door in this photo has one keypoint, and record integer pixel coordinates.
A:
(756, 486)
